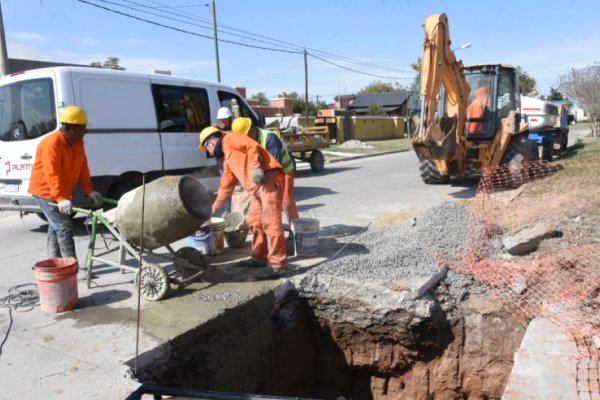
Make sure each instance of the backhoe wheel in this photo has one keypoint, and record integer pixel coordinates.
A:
(155, 282)
(515, 151)
(430, 173)
(317, 161)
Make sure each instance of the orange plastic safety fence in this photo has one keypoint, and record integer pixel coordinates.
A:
(561, 283)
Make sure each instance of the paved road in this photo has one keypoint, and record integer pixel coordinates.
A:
(381, 189)
(371, 189)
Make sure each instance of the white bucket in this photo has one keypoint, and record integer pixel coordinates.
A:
(306, 236)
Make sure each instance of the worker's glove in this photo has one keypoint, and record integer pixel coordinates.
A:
(97, 197)
(65, 207)
(258, 176)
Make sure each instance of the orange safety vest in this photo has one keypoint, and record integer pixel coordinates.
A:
(58, 167)
(477, 109)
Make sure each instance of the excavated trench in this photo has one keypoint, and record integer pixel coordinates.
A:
(367, 324)
(325, 337)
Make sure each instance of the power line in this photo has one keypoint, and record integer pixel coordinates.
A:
(231, 41)
(287, 44)
(185, 31)
(353, 70)
(207, 23)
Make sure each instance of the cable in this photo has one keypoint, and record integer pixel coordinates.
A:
(270, 40)
(17, 299)
(354, 70)
(185, 31)
(209, 25)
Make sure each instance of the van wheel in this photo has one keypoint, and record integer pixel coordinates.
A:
(119, 190)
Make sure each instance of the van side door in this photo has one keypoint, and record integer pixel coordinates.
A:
(182, 112)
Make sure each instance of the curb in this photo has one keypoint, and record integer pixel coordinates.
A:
(365, 156)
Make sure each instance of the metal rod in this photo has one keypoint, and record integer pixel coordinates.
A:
(139, 283)
(423, 98)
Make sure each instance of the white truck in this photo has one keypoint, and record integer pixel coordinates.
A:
(548, 125)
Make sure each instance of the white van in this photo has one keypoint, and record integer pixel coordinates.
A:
(138, 124)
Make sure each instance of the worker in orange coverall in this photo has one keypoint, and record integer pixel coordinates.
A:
(274, 145)
(478, 109)
(261, 176)
(61, 163)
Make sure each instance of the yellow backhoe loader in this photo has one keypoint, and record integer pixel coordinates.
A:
(469, 116)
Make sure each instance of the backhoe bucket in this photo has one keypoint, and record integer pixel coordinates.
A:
(439, 142)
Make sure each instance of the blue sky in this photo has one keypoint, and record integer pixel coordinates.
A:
(378, 37)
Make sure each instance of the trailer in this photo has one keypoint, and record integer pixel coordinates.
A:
(306, 144)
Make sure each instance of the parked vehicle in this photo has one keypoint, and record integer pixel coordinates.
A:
(140, 124)
(548, 125)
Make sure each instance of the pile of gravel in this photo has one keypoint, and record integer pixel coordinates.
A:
(354, 144)
(402, 251)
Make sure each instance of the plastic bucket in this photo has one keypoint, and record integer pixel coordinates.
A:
(306, 236)
(202, 240)
(217, 229)
(57, 284)
(236, 239)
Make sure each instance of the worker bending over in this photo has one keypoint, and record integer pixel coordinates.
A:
(261, 176)
(274, 145)
(60, 163)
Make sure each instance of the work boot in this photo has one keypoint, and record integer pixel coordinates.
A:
(52, 249)
(269, 272)
(251, 263)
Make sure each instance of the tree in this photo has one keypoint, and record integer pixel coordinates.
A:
(555, 95)
(527, 83)
(378, 87)
(291, 95)
(110, 63)
(582, 85)
(262, 99)
(416, 66)
(376, 109)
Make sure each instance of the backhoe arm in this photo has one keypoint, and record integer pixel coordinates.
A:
(441, 138)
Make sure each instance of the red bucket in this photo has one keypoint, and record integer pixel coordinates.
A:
(57, 284)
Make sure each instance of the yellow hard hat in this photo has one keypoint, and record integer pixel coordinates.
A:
(73, 115)
(206, 133)
(241, 124)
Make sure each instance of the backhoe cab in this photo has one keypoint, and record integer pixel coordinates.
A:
(469, 116)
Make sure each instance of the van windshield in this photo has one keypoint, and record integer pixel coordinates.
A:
(27, 110)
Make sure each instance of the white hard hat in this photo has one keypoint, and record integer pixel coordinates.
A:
(224, 113)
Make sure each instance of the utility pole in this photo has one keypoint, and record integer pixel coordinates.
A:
(214, 15)
(306, 85)
(3, 53)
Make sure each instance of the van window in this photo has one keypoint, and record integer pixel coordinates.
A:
(27, 110)
(238, 107)
(181, 109)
